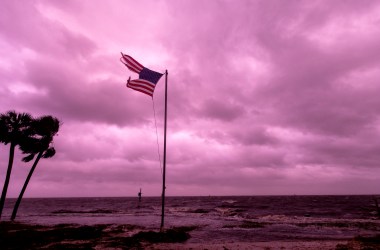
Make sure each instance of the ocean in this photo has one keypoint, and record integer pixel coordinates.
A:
(216, 219)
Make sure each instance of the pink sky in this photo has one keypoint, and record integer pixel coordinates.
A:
(265, 97)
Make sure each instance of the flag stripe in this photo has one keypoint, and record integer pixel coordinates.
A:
(132, 61)
(132, 64)
(142, 86)
(142, 83)
(135, 62)
(131, 68)
(142, 91)
(129, 65)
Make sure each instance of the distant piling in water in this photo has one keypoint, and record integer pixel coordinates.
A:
(377, 205)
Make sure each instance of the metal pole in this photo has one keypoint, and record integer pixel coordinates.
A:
(164, 171)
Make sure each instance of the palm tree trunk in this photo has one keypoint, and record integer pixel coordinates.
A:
(25, 185)
(8, 177)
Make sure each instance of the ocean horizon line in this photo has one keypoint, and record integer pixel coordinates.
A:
(179, 196)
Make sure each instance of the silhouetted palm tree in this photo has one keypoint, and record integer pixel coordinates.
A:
(44, 128)
(15, 128)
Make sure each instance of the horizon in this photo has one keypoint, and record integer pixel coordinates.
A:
(177, 196)
(264, 97)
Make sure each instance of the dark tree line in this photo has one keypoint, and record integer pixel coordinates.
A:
(34, 137)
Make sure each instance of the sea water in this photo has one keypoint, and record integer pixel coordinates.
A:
(217, 219)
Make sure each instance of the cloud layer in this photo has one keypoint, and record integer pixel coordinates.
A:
(264, 97)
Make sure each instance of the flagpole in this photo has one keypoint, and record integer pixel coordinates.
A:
(164, 163)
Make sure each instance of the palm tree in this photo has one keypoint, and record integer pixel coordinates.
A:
(45, 128)
(15, 128)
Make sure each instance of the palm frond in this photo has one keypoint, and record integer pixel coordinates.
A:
(50, 152)
(28, 158)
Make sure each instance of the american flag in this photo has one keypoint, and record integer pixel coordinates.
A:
(147, 78)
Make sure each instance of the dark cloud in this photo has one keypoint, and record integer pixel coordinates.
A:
(220, 109)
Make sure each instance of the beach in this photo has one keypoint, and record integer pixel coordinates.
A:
(69, 236)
